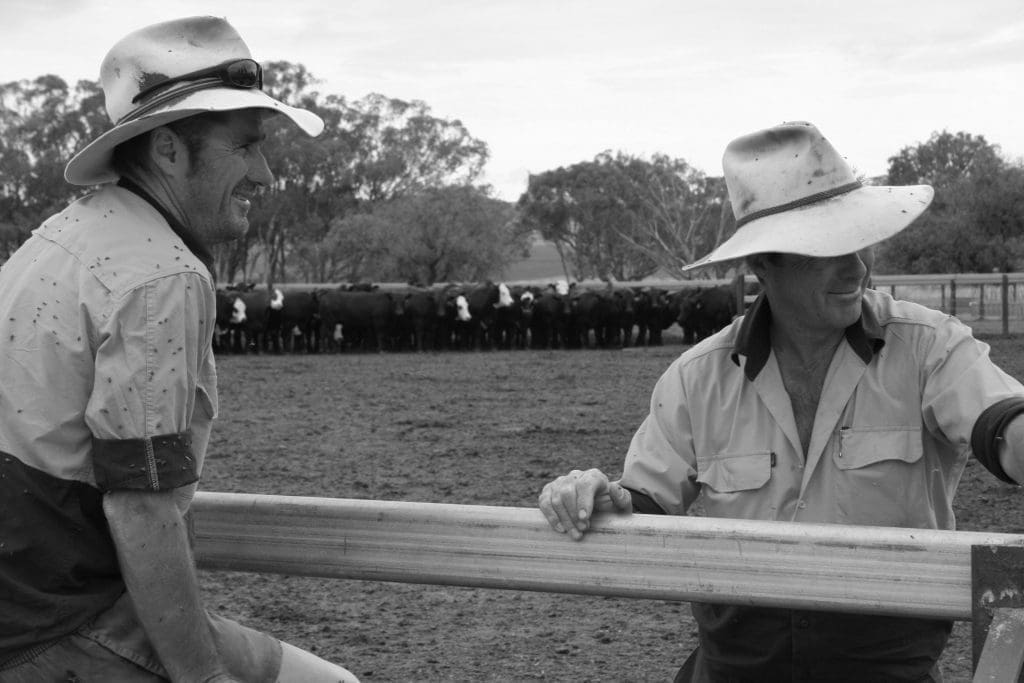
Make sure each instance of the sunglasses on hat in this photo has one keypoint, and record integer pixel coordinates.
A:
(238, 73)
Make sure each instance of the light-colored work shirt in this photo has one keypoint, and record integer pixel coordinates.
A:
(891, 435)
(107, 381)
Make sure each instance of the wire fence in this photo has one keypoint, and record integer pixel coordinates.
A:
(989, 303)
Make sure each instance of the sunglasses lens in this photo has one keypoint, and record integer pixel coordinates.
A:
(244, 74)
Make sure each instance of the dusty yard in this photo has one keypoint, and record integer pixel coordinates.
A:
(476, 428)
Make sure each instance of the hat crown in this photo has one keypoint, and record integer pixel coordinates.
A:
(161, 51)
(780, 166)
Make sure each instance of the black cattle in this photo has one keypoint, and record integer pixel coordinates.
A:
(655, 313)
(592, 311)
(623, 316)
(483, 304)
(422, 318)
(358, 319)
(454, 325)
(524, 299)
(295, 324)
(507, 319)
(549, 327)
(704, 311)
(246, 314)
(224, 340)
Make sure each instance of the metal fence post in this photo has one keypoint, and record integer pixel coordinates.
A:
(1006, 305)
(997, 608)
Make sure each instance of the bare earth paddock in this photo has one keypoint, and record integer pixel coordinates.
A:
(485, 428)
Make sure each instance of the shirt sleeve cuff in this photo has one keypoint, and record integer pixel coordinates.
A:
(988, 431)
(644, 504)
(158, 463)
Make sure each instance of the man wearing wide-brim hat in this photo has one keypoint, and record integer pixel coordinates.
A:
(107, 380)
(827, 402)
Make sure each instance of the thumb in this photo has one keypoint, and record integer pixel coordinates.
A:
(620, 497)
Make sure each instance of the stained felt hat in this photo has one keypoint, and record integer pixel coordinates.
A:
(170, 71)
(791, 192)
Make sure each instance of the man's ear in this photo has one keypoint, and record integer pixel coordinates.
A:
(168, 153)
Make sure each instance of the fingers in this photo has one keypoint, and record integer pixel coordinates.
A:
(616, 499)
(569, 501)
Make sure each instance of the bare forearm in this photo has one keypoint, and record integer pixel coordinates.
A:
(152, 547)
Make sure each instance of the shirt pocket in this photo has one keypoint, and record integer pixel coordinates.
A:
(864, 447)
(879, 479)
(734, 472)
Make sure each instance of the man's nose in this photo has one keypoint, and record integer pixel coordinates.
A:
(853, 264)
(259, 170)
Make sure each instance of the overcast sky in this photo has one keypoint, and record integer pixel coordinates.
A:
(548, 83)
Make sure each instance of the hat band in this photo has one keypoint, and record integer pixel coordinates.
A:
(804, 201)
(169, 96)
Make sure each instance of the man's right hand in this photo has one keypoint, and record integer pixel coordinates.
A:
(569, 501)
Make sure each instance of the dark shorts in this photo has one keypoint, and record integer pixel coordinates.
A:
(113, 648)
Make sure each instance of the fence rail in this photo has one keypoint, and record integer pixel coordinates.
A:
(881, 570)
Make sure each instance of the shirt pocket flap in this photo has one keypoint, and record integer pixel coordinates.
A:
(728, 473)
(862, 447)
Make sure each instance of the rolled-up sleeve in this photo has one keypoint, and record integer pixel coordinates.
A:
(960, 382)
(660, 462)
(149, 359)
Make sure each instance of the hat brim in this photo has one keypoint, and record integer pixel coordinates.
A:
(91, 166)
(833, 227)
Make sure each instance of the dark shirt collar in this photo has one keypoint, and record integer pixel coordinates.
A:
(201, 253)
(754, 338)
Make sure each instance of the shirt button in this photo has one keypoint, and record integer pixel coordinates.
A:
(803, 622)
(801, 505)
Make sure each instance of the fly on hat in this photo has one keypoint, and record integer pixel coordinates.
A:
(791, 192)
(169, 71)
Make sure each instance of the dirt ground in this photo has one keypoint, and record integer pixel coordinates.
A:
(474, 428)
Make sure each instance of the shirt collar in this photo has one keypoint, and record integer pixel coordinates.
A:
(202, 254)
(754, 338)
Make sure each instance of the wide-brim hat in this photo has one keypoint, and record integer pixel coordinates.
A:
(162, 52)
(791, 192)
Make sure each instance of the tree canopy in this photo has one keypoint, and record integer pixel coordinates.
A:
(626, 217)
(975, 222)
(43, 122)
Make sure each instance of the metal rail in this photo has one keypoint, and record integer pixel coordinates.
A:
(879, 570)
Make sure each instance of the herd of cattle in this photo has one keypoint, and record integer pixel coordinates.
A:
(477, 316)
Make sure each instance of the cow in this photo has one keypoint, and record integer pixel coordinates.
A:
(224, 339)
(296, 323)
(706, 310)
(422, 318)
(358, 319)
(482, 301)
(247, 320)
(549, 327)
(506, 319)
(523, 298)
(591, 311)
(623, 316)
(655, 313)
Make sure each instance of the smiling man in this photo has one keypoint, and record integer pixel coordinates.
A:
(826, 402)
(107, 381)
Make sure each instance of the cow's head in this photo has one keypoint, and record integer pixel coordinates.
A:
(237, 311)
(462, 308)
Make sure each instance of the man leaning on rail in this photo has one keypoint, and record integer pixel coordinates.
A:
(107, 379)
(827, 402)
